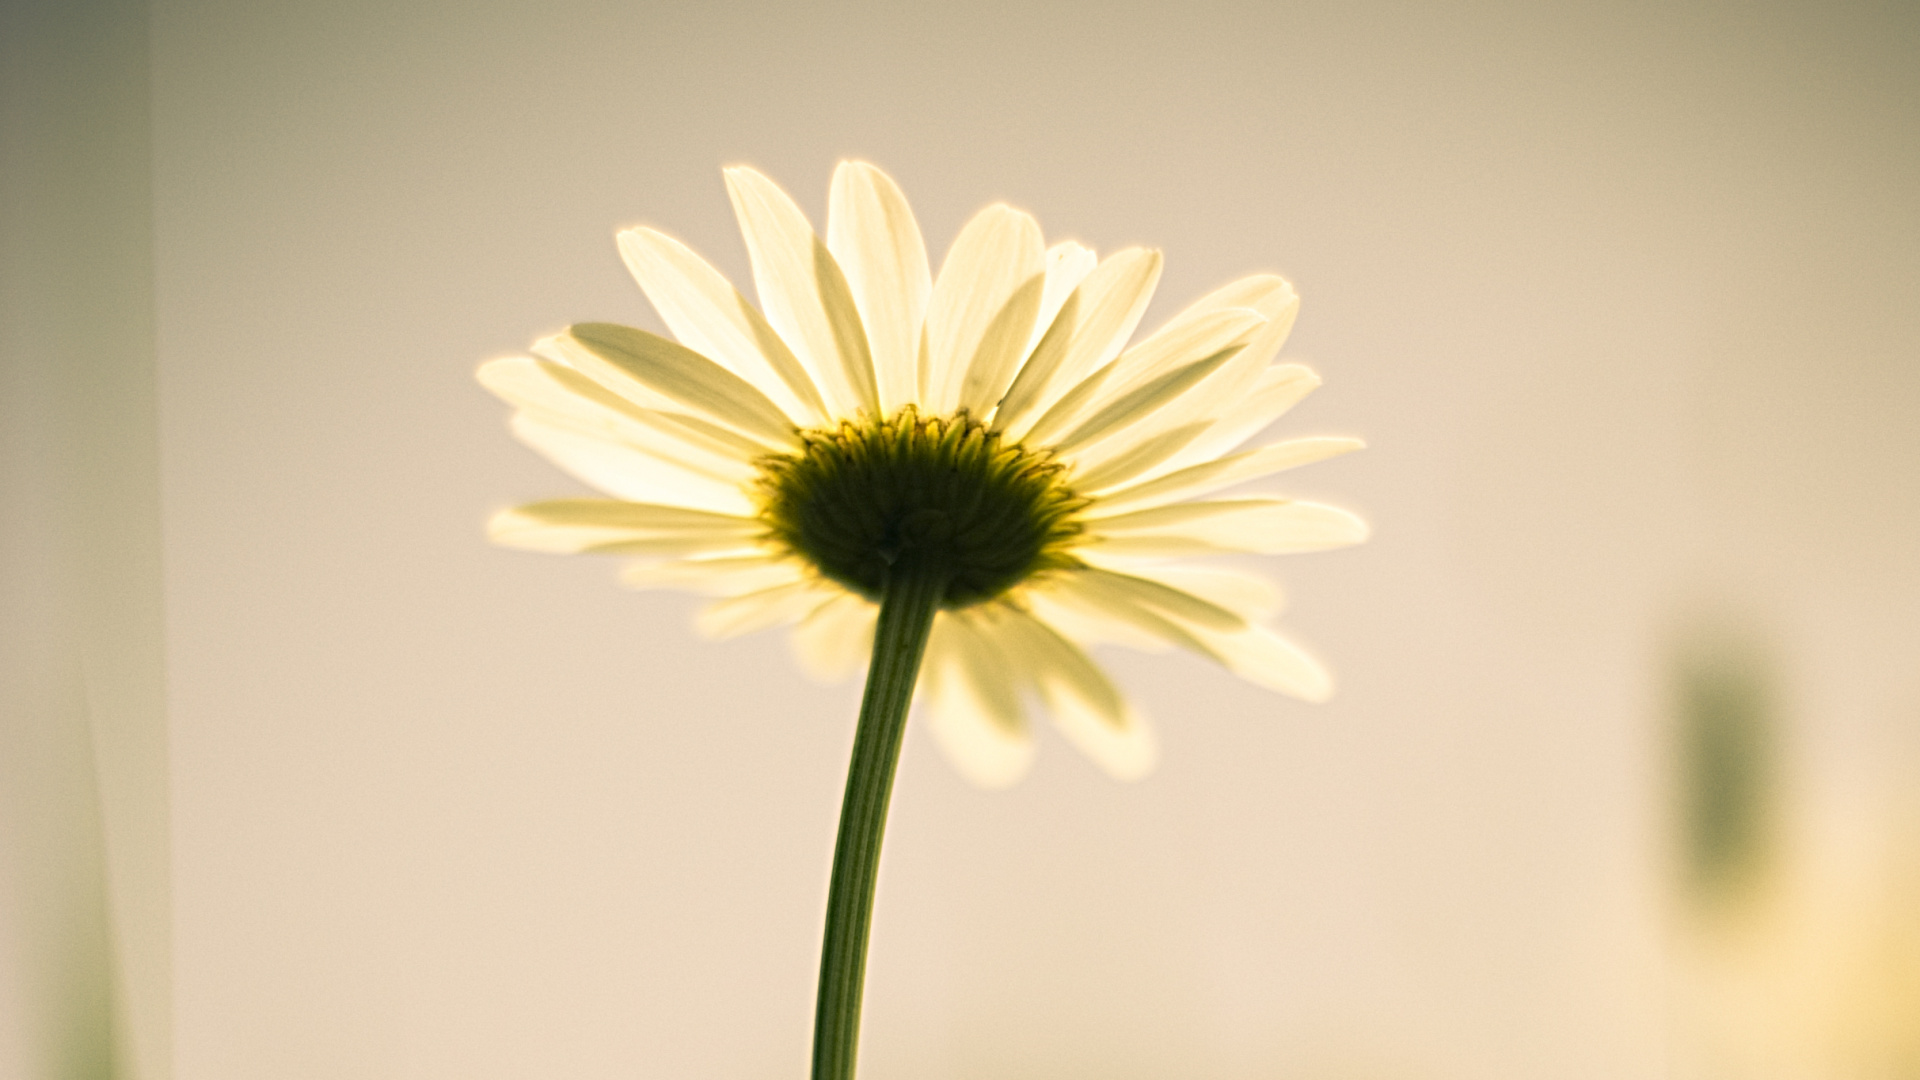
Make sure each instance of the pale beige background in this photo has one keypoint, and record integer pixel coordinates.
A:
(1622, 296)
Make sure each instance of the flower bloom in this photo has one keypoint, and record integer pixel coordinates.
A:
(991, 420)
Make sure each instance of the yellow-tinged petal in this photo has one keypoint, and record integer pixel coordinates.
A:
(967, 713)
(1146, 364)
(1087, 333)
(1068, 264)
(1271, 394)
(629, 472)
(1256, 526)
(613, 526)
(1211, 476)
(614, 354)
(872, 233)
(835, 641)
(726, 576)
(762, 610)
(710, 317)
(995, 254)
(804, 292)
(563, 397)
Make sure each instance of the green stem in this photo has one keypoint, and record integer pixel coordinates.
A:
(907, 608)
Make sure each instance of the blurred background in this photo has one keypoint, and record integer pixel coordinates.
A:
(301, 778)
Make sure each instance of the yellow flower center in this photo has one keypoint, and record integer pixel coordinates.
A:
(923, 495)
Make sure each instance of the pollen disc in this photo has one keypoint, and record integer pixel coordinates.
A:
(913, 494)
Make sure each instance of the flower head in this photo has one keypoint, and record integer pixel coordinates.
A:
(990, 426)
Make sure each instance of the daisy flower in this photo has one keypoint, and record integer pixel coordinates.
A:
(990, 423)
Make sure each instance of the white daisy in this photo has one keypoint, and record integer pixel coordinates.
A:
(870, 418)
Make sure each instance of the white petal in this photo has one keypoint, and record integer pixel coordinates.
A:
(610, 526)
(872, 233)
(1255, 525)
(619, 355)
(981, 732)
(1264, 658)
(837, 639)
(1113, 420)
(762, 610)
(727, 576)
(1088, 332)
(1251, 596)
(629, 472)
(1211, 476)
(1139, 456)
(563, 397)
(1269, 295)
(995, 254)
(1146, 364)
(710, 317)
(1085, 705)
(803, 291)
(1002, 346)
(1068, 264)
(1253, 652)
(1273, 391)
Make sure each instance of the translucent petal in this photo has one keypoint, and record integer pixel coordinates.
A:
(763, 610)
(1085, 705)
(1252, 651)
(1251, 596)
(1138, 457)
(1092, 325)
(1146, 364)
(872, 233)
(995, 254)
(1121, 413)
(727, 576)
(1257, 526)
(1273, 391)
(1161, 597)
(673, 371)
(803, 292)
(1212, 476)
(837, 639)
(609, 525)
(1002, 346)
(710, 317)
(628, 472)
(559, 395)
(1068, 264)
(967, 720)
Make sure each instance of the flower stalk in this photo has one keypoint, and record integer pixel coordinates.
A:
(910, 598)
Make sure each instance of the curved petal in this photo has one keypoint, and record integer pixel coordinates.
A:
(1252, 651)
(1087, 333)
(571, 526)
(1211, 476)
(1002, 346)
(995, 254)
(748, 613)
(1085, 705)
(710, 317)
(837, 639)
(1257, 526)
(1273, 391)
(1149, 364)
(872, 233)
(616, 356)
(558, 395)
(725, 576)
(803, 291)
(971, 711)
(629, 472)
(1068, 264)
